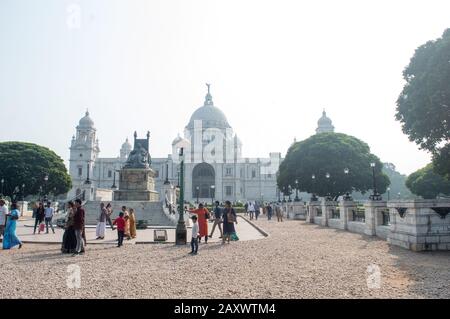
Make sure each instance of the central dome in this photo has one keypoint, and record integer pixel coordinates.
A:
(211, 116)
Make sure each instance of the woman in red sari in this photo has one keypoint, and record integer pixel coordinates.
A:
(202, 216)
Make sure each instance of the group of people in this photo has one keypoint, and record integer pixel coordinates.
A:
(225, 216)
(253, 209)
(74, 237)
(126, 223)
(43, 217)
(8, 221)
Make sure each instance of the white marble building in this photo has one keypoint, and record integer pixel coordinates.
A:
(214, 166)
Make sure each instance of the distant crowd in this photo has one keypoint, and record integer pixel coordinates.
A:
(222, 216)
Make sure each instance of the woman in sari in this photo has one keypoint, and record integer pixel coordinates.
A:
(202, 217)
(126, 216)
(132, 220)
(229, 218)
(10, 238)
(69, 242)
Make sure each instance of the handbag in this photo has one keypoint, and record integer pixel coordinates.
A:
(41, 227)
(230, 217)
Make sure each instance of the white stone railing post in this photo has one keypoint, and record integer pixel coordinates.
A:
(327, 207)
(347, 207)
(420, 224)
(372, 217)
(312, 211)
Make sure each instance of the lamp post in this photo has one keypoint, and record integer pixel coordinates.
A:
(40, 193)
(23, 198)
(180, 232)
(289, 192)
(15, 192)
(114, 181)
(297, 199)
(327, 175)
(3, 182)
(88, 181)
(213, 187)
(313, 197)
(375, 195)
(347, 194)
(197, 188)
(45, 187)
(388, 192)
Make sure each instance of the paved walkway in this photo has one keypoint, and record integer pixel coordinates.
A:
(244, 230)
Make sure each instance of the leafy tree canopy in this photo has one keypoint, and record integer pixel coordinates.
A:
(27, 163)
(397, 185)
(426, 183)
(331, 153)
(423, 107)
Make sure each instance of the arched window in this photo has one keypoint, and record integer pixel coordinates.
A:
(203, 177)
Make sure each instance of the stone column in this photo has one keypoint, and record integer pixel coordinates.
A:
(23, 208)
(312, 210)
(346, 208)
(420, 224)
(371, 215)
(299, 211)
(327, 207)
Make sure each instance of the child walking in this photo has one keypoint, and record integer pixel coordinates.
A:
(195, 234)
(120, 222)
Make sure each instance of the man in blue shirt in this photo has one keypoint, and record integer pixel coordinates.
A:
(217, 219)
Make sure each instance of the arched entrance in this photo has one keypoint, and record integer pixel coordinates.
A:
(203, 177)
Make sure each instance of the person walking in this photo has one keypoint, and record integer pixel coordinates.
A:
(126, 217)
(101, 224)
(202, 217)
(278, 212)
(132, 220)
(257, 210)
(69, 242)
(39, 217)
(246, 208)
(49, 211)
(229, 218)
(195, 234)
(121, 223)
(3, 212)
(78, 225)
(10, 238)
(217, 220)
(251, 210)
(108, 215)
(269, 211)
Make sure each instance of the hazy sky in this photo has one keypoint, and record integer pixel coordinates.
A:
(273, 65)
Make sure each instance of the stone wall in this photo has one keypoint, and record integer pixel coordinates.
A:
(412, 224)
(420, 224)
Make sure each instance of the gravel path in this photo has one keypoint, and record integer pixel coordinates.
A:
(297, 260)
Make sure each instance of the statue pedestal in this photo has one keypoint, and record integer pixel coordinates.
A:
(136, 184)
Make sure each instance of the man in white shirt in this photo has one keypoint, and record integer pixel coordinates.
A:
(49, 210)
(3, 213)
(251, 209)
(195, 231)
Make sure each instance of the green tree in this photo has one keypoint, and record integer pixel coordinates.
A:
(423, 107)
(426, 183)
(331, 153)
(27, 163)
(397, 182)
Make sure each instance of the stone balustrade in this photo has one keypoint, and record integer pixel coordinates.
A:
(413, 224)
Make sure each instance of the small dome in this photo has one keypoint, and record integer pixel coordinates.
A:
(178, 139)
(86, 121)
(126, 145)
(324, 120)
